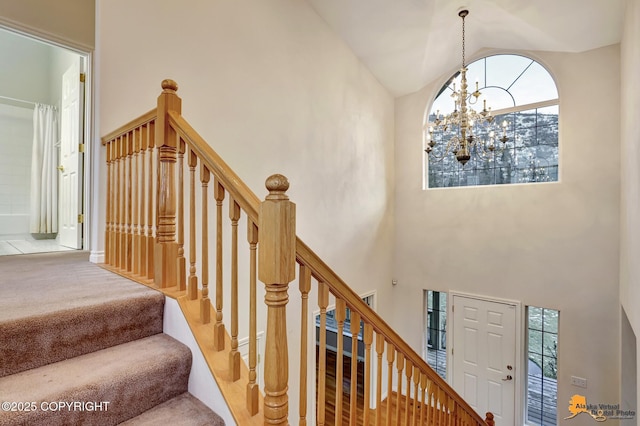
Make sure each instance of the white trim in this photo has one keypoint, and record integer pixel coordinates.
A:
(96, 256)
(44, 36)
(86, 54)
(519, 370)
(526, 107)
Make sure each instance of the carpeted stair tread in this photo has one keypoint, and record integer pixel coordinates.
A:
(36, 284)
(183, 410)
(36, 340)
(133, 377)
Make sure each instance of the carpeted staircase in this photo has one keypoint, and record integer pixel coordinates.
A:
(82, 346)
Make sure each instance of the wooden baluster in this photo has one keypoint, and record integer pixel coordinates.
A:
(144, 142)
(424, 412)
(323, 301)
(353, 397)
(408, 373)
(234, 355)
(416, 398)
(453, 408)
(252, 387)
(489, 420)
(368, 340)
(151, 242)
(181, 266)
(218, 328)
(447, 409)
(453, 412)
(135, 244)
(379, 352)
(205, 303)
(400, 367)
(433, 392)
(192, 288)
(441, 406)
(129, 203)
(115, 208)
(107, 231)
(438, 407)
(305, 287)
(113, 195)
(166, 250)
(121, 198)
(277, 263)
(340, 316)
(391, 354)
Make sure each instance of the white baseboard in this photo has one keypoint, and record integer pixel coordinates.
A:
(96, 257)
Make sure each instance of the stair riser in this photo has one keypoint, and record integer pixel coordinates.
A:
(37, 341)
(130, 390)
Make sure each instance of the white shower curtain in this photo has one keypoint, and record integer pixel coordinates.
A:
(44, 172)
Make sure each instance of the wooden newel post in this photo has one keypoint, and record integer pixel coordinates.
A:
(166, 249)
(276, 269)
(489, 420)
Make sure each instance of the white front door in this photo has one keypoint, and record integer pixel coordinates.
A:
(484, 355)
(70, 183)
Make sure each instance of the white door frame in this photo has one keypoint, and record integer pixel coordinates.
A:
(86, 52)
(519, 374)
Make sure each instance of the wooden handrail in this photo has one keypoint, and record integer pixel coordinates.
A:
(161, 257)
(322, 272)
(241, 193)
(133, 124)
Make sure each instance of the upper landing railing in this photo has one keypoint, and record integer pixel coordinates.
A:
(157, 229)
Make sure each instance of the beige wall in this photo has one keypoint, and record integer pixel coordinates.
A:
(552, 245)
(630, 155)
(67, 21)
(273, 90)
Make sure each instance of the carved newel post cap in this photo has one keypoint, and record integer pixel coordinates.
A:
(169, 85)
(277, 185)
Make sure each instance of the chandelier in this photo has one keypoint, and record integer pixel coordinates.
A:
(470, 132)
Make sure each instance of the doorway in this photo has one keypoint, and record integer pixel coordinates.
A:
(33, 78)
(485, 355)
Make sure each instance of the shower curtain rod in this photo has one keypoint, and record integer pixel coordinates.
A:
(17, 100)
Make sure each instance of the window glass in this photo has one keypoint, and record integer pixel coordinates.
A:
(436, 338)
(542, 366)
(521, 94)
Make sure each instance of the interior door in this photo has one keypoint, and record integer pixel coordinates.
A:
(484, 354)
(70, 183)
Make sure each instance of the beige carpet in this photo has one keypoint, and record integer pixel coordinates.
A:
(40, 283)
(73, 332)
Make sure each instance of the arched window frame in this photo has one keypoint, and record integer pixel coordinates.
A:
(526, 168)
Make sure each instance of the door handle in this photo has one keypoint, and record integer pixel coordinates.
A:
(506, 379)
(61, 168)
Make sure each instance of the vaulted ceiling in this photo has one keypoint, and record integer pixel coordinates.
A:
(409, 43)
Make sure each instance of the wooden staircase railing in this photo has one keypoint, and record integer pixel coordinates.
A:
(145, 239)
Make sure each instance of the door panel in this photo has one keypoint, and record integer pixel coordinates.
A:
(484, 345)
(71, 129)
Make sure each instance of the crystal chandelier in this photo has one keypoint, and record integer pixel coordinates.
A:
(473, 132)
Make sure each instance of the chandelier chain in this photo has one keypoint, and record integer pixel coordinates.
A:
(463, 64)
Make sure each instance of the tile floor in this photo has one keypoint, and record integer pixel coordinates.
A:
(25, 244)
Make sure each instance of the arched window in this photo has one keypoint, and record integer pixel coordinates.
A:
(521, 93)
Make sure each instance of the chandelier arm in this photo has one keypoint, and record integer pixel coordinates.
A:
(445, 152)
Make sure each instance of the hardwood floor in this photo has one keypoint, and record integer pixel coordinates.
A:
(330, 397)
(330, 389)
